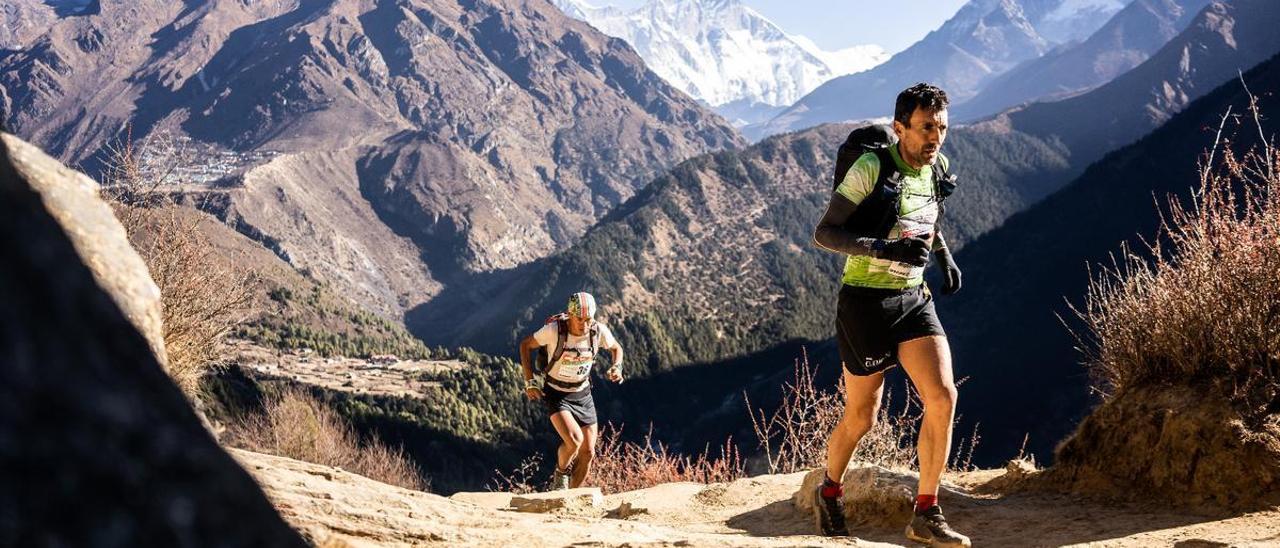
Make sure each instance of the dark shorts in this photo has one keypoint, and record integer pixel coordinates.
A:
(579, 404)
(871, 322)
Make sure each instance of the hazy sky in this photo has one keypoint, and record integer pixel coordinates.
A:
(835, 24)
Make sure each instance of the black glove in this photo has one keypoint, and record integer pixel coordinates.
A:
(913, 251)
(950, 272)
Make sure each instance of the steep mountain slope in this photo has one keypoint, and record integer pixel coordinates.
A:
(984, 39)
(22, 21)
(486, 134)
(714, 260)
(1128, 39)
(1224, 38)
(725, 53)
(1004, 329)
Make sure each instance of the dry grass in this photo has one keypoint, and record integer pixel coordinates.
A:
(794, 437)
(298, 426)
(621, 466)
(1201, 305)
(203, 296)
(626, 466)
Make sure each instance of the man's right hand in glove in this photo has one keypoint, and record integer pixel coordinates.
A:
(913, 251)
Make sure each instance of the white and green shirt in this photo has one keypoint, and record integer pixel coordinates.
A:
(917, 215)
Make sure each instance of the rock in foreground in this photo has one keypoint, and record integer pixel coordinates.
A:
(98, 447)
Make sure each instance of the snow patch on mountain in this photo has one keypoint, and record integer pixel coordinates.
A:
(724, 53)
(1076, 19)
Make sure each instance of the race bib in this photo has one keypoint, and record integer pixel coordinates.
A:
(574, 366)
(918, 223)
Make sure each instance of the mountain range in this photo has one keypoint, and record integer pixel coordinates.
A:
(381, 148)
(984, 39)
(1124, 42)
(724, 53)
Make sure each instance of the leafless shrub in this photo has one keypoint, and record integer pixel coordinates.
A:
(1202, 303)
(204, 296)
(523, 479)
(626, 466)
(794, 437)
(298, 426)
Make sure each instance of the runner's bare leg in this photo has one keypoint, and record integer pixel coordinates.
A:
(586, 452)
(571, 438)
(861, 404)
(927, 361)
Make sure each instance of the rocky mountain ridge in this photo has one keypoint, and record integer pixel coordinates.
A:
(461, 112)
(982, 40)
(1128, 39)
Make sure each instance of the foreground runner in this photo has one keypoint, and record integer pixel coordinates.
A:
(883, 215)
(564, 382)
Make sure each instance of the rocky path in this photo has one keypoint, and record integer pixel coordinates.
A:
(337, 508)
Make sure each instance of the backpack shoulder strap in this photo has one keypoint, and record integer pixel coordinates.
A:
(594, 334)
(944, 183)
(888, 168)
(562, 339)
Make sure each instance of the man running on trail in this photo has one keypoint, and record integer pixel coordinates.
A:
(884, 314)
(564, 384)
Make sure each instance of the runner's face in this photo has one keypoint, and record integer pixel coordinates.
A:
(577, 326)
(919, 143)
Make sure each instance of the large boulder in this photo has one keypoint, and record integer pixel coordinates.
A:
(97, 446)
(873, 496)
(1189, 446)
(72, 199)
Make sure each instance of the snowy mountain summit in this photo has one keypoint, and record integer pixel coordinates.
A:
(724, 53)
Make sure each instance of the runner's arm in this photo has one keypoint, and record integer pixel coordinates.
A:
(831, 234)
(951, 276)
(610, 343)
(615, 355)
(527, 346)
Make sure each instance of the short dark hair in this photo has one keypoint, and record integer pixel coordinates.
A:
(922, 95)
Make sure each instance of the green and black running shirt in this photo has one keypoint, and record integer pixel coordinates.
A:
(917, 216)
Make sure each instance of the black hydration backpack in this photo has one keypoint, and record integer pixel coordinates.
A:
(878, 212)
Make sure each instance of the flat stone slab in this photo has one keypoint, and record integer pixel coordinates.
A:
(485, 499)
(582, 498)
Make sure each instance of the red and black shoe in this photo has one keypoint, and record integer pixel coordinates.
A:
(930, 527)
(830, 515)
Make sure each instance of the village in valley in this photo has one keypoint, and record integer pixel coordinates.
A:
(378, 375)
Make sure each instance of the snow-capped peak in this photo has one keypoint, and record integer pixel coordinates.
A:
(721, 51)
(1070, 9)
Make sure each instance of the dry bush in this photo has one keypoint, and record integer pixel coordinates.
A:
(1201, 305)
(203, 296)
(298, 426)
(621, 466)
(794, 437)
(522, 480)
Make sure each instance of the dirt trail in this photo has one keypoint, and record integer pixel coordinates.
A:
(338, 507)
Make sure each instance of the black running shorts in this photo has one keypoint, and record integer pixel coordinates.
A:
(579, 404)
(871, 322)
